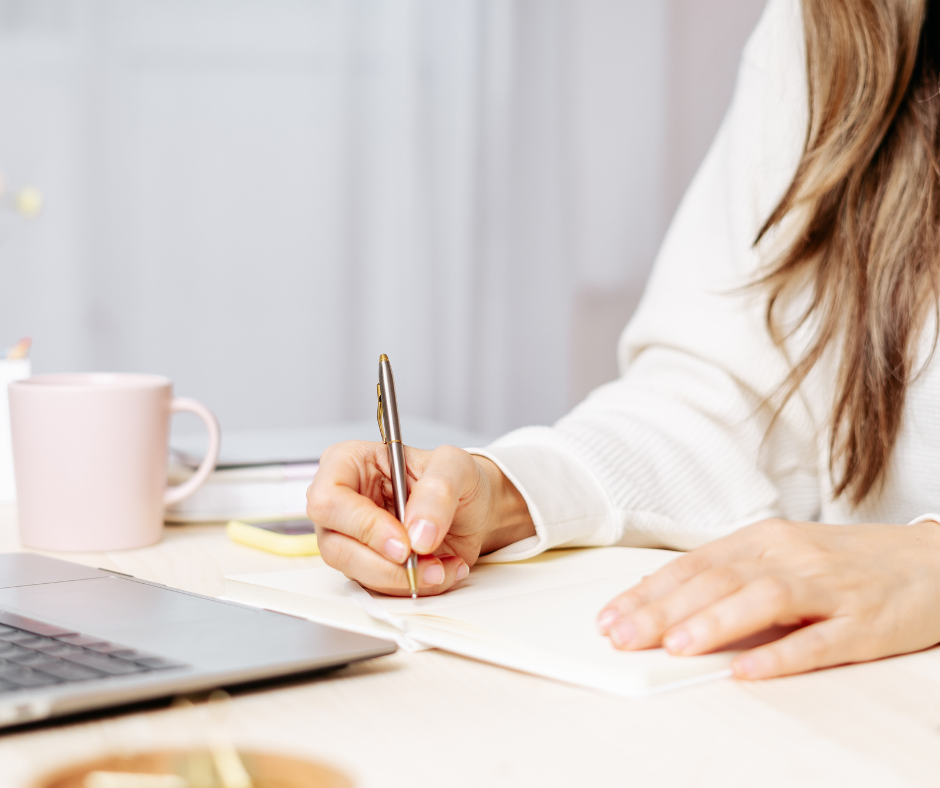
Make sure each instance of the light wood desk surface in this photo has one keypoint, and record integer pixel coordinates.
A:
(432, 719)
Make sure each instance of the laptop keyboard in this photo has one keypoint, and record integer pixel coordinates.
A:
(34, 654)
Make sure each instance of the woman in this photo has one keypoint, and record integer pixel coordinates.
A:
(765, 384)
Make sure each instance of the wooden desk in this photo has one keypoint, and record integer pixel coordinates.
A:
(432, 719)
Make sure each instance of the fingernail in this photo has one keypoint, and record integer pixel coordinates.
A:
(462, 571)
(744, 666)
(622, 633)
(676, 641)
(422, 534)
(605, 619)
(434, 575)
(396, 550)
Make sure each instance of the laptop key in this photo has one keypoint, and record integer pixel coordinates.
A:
(61, 650)
(30, 642)
(159, 663)
(32, 626)
(48, 644)
(15, 636)
(113, 667)
(107, 648)
(81, 640)
(31, 658)
(25, 677)
(69, 672)
(129, 653)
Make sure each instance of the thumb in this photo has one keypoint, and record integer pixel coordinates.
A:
(448, 476)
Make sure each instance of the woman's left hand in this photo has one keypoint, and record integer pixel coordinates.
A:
(857, 592)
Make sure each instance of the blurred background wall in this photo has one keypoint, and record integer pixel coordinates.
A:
(257, 197)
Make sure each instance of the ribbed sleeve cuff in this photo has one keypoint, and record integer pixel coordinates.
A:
(925, 518)
(567, 504)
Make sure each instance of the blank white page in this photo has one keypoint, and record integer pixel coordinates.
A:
(553, 569)
(554, 631)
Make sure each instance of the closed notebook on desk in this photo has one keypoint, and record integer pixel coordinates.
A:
(536, 616)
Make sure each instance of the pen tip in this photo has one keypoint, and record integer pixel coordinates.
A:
(414, 594)
(382, 358)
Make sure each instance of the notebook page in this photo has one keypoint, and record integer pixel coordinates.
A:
(539, 616)
(553, 569)
(324, 586)
(536, 616)
(556, 627)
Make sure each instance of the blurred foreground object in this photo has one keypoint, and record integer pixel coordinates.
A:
(284, 537)
(216, 763)
(27, 202)
(149, 770)
(14, 365)
(20, 350)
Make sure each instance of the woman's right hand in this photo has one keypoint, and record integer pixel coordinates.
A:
(459, 507)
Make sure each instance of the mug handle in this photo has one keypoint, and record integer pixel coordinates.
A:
(187, 488)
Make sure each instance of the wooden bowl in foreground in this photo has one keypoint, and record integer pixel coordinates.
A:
(197, 770)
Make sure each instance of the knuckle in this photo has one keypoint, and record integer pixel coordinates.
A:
(816, 644)
(775, 591)
(331, 453)
(861, 600)
(365, 528)
(773, 660)
(723, 580)
(436, 487)
(654, 616)
(391, 577)
(640, 596)
(448, 453)
(327, 455)
(815, 564)
(707, 625)
(691, 563)
(626, 603)
(311, 491)
(773, 530)
(330, 550)
(319, 503)
(687, 566)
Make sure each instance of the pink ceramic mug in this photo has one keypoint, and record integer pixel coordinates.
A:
(90, 459)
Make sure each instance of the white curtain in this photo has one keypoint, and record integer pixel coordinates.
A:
(257, 198)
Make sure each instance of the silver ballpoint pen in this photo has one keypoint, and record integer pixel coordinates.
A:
(387, 416)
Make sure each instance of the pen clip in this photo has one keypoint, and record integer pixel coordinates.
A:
(379, 413)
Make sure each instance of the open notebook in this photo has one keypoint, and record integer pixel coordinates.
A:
(536, 616)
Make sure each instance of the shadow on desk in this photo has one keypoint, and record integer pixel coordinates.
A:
(372, 667)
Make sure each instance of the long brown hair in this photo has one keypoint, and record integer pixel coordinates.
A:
(868, 191)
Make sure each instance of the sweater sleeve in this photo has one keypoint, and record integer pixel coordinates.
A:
(683, 447)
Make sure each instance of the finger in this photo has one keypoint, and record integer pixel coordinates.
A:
(452, 568)
(449, 476)
(653, 587)
(743, 544)
(830, 642)
(759, 605)
(645, 627)
(346, 463)
(359, 563)
(334, 502)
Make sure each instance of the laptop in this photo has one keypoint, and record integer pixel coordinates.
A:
(74, 639)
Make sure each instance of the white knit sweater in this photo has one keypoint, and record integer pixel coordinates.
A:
(679, 449)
